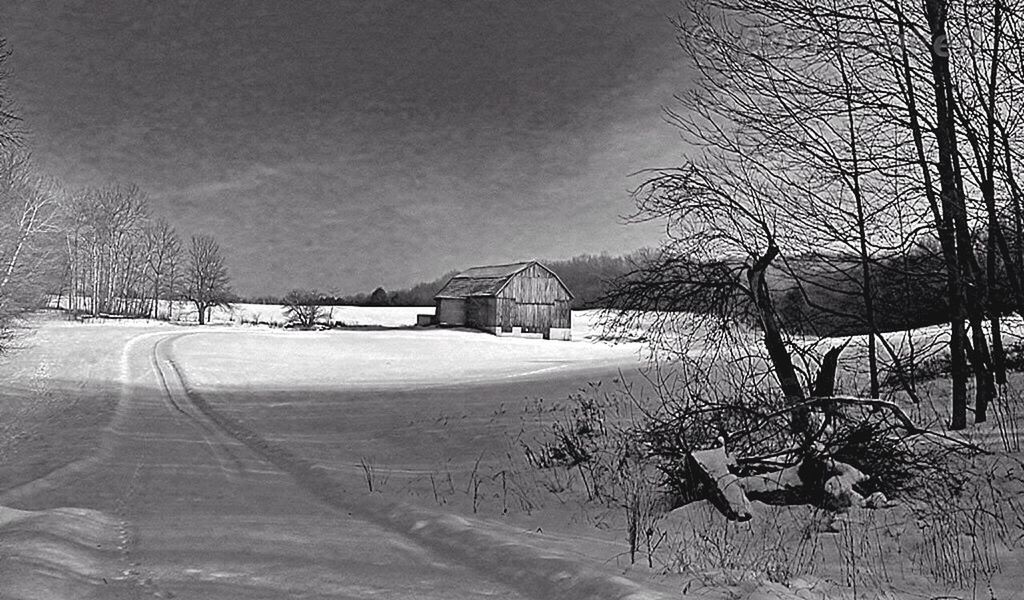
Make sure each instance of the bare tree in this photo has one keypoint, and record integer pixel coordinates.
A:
(104, 241)
(206, 281)
(29, 234)
(801, 114)
(724, 237)
(811, 127)
(20, 207)
(304, 308)
(840, 103)
(987, 113)
(162, 255)
(32, 207)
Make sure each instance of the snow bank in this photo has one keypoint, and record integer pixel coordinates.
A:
(59, 553)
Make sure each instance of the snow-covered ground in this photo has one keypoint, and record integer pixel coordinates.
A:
(186, 505)
(586, 324)
(307, 420)
(913, 347)
(384, 316)
(339, 359)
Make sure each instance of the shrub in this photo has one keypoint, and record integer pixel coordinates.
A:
(304, 308)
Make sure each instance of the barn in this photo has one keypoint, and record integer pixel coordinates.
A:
(520, 299)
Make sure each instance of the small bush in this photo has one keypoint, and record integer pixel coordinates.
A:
(304, 309)
(924, 370)
(594, 436)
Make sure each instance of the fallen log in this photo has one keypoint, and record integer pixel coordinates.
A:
(808, 473)
(838, 492)
(784, 486)
(711, 469)
(823, 482)
(904, 421)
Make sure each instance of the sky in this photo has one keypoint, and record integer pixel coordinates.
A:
(349, 144)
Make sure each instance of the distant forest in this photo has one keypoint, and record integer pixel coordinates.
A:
(588, 276)
(810, 295)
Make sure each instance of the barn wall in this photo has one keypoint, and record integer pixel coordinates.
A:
(481, 312)
(532, 317)
(451, 311)
(534, 285)
(562, 316)
(534, 301)
(505, 314)
(535, 318)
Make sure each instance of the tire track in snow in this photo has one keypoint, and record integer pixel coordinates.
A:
(105, 449)
(175, 396)
(119, 525)
(535, 572)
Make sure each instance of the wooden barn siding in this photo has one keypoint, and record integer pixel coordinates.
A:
(533, 318)
(534, 285)
(562, 318)
(533, 300)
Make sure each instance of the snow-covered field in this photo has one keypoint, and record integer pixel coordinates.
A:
(384, 316)
(586, 324)
(235, 461)
(385, 350)
(344, 359)
(105, 415)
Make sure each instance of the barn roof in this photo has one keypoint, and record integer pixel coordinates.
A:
(487, 281)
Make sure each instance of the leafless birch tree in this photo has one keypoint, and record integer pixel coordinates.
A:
(29, 234)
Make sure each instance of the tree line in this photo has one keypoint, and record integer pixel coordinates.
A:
(100, 251)
(120, 260)
(588, 276)
(814, 295)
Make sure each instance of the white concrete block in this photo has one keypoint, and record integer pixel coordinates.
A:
(561, 334)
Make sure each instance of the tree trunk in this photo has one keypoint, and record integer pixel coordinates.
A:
(156, 298)
(998, 351)
(774, 343)
(976, 298)
(940, 208)
(952, 205)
